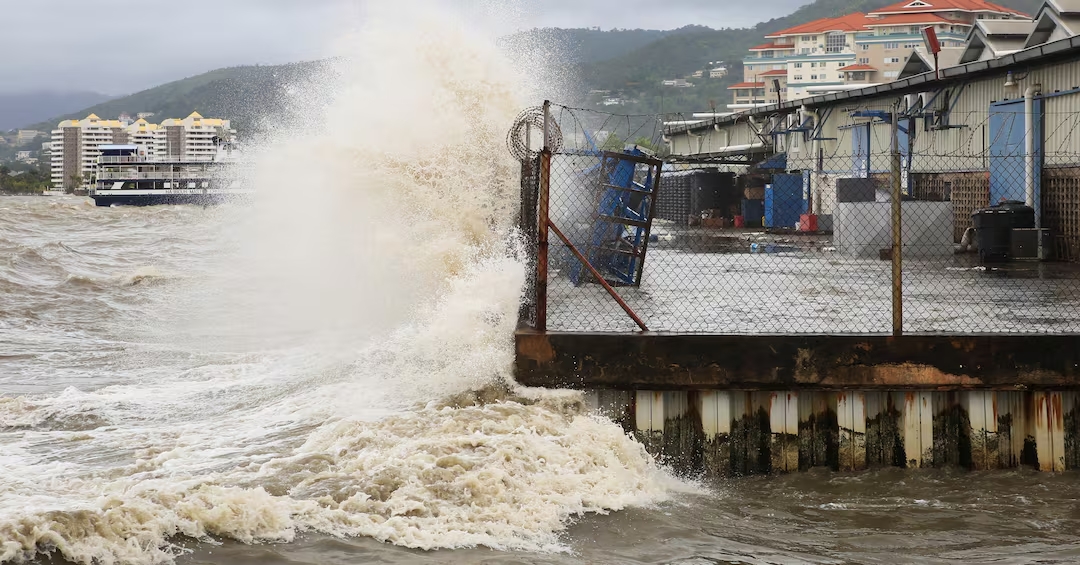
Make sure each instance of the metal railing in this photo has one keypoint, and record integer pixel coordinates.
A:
(112, 160)
(159, 159)
(109, 175)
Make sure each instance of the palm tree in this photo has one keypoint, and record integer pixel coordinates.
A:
(76, 182)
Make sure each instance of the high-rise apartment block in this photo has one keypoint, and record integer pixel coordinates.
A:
(75, 143)
(854, 51)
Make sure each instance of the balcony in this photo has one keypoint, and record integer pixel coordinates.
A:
(169, 177)
(121, 160)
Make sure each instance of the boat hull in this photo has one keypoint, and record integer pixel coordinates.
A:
(117, 198)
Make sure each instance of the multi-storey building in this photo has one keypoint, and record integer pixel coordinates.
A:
(75, 149)
(75, 143)
(856, 50)
(27, 136)
(142, 133)
(193, 138)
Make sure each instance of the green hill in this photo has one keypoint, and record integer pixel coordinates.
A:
(631, 63)
(637, 75)
(245, 94)
(585, 45)
(18, 108)
(242, 94)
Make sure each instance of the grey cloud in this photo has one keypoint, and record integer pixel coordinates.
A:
(121, 46)
(670, 14)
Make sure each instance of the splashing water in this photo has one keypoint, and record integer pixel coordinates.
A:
(312, 371)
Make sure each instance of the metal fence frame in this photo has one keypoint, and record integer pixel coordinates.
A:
(536, 218)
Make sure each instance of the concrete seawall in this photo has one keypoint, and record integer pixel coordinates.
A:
(737, 405)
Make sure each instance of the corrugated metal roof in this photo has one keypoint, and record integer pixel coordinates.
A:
(1005, 27)
(1065, 6)
(857, 68)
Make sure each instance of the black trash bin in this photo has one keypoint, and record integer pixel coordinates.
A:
(994, 225)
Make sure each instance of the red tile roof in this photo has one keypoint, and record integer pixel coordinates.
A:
(905, 7)
(747, 85)
(773, 73)
(902, 13)
(768, 46)
(857, 68)
(911, 19)
(850, 22)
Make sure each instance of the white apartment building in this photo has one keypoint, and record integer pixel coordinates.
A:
(856, 50)
(74, 149)
(193, 138)
(27, 136)
(75, 143)
(142, 133)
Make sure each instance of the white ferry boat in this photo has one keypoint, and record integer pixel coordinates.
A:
(126, 176)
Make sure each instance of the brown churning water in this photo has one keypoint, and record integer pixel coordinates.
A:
(324, 376)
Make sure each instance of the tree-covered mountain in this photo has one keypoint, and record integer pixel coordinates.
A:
(20, 108)
(637, 75)
(246, 93)
(630, 63)
(242, 94)
(586, 45)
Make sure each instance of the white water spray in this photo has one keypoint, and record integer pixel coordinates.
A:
(378, 276)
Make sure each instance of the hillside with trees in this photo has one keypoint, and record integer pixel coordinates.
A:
(243, 94)
(23, 179)
(19, 109)
(629, 64)
(584, 45)
(636, 76)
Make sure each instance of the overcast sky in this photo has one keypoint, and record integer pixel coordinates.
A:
(122, 46)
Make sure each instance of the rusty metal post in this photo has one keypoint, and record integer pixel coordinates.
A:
(897, 236)
(599, 278)
(648, 228)
(542, 225)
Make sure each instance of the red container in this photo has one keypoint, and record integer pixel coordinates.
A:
(808, 222)
(740, 222)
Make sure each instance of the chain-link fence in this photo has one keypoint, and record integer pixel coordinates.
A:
(795, 233)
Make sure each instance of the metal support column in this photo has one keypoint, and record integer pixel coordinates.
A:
(543, 222)
(897, 239)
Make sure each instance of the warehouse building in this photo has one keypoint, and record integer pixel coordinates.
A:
(991, 130)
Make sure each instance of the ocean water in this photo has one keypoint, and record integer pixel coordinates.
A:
(324, 375)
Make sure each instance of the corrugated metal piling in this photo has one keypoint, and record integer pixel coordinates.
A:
(736, 433)
(785, 404)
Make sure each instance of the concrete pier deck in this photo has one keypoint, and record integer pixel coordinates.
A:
(774, 362)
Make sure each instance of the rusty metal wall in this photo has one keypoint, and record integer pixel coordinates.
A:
(527, 224)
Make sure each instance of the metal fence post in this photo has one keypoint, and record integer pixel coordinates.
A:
(542, 227)
(897, 239)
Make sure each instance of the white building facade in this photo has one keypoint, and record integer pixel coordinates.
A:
(857, 50)
(193, 138)
(75, 143)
